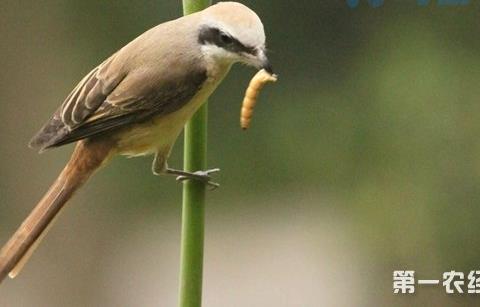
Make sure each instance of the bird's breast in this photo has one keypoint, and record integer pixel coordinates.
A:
(160, 133)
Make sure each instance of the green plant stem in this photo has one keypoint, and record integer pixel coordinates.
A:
(193, 208)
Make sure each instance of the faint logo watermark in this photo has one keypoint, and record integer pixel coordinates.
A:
(378, 3)
(454, 282)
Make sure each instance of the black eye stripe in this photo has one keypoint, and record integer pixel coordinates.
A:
(209, 35)
(226, 39)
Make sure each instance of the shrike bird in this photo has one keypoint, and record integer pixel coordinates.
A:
(136, 103)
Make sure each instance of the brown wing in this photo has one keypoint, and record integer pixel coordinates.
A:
(81, 103)
(106, 100)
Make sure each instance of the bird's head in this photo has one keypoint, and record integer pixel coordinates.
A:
(230, 32)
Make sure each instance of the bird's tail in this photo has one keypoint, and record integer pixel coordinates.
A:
(86, 158)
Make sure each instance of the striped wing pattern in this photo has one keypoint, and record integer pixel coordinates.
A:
(107, 99)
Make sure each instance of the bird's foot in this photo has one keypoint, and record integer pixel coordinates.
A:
(202, 176)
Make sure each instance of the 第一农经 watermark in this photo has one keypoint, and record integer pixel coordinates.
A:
(404, 282)
(378, 3)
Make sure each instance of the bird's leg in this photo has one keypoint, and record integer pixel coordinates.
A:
(159, 164)
(160, 167)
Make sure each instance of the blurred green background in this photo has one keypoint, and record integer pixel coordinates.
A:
(363, 159)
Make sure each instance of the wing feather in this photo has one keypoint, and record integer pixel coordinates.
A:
(108, 98)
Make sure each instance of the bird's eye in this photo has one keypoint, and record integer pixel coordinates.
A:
(225, 39)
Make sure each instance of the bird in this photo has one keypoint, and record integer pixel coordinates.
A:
(136, 103)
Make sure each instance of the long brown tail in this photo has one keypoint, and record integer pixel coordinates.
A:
(86, 158)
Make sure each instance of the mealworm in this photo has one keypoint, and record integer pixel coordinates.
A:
(256, 84)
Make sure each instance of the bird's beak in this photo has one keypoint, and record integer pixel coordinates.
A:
(267, 66)
(264, 63)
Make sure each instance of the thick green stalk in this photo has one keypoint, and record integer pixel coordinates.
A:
(193, 209)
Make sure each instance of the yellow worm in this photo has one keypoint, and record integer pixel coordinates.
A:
(251, 94)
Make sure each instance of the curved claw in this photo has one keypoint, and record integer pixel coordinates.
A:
(208, 171)
(203, 176)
